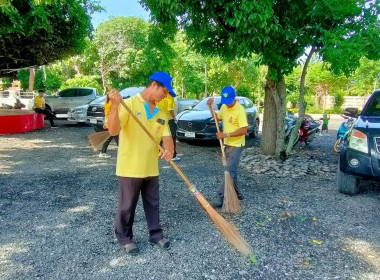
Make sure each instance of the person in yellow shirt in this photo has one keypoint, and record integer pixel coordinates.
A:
(235, 127)
(137, 158)
(107, 110)
(41, 108)
(168, 106)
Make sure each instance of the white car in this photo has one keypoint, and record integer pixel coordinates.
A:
(69, 98)
(78, 114)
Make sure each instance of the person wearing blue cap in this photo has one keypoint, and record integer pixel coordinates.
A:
(137, 158)
(235, 127)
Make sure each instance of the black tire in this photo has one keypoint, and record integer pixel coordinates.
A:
(255, 131)
(347, 184)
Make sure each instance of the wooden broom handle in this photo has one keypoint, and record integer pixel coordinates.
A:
(220, 140)
(179, 171)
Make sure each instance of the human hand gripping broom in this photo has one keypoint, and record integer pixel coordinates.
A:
(231, 203)
(229, 231)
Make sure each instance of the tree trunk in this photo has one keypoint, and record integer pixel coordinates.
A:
(31, 79)
(301, 112)
(272, 139)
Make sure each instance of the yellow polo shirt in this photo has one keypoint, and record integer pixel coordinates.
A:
(137, 154)
(233, 119)
(39, 102)
(167, 104)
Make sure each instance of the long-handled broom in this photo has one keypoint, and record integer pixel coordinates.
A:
(229, 231)
(231, 203)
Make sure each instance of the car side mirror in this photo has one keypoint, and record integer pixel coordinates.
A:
(351, 112)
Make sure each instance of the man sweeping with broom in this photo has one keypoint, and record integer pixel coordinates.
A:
(235, 127)
(137, 159)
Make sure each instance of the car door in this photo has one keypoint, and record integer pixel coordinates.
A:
(64, 101)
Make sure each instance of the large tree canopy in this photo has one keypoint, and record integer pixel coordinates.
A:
(34, 33)
(279, 32)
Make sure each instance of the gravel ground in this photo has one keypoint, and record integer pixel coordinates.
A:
(58, 199)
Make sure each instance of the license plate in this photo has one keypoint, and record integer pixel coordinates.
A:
(190, 134)
(93, 121)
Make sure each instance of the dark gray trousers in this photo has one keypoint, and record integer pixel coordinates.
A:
(233, 158)
(129, 192)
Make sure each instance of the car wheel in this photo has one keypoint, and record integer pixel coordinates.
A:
(347, 184)
(255, 131)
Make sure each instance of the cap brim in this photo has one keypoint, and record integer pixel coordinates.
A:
(171, 91)
(227, 101)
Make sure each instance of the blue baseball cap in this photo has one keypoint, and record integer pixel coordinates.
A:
(165, 79)
(228, 95)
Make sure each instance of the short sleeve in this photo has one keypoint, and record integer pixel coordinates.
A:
(166, 131)
(123, 113)
(242, 118)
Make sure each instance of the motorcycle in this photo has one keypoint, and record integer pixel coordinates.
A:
(343, 129)
(308, 129)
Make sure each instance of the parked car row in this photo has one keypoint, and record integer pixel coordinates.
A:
(93, 112)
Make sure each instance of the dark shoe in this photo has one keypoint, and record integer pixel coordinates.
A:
(217, 203)
(131, 249)
(54, 126)
(164, 243)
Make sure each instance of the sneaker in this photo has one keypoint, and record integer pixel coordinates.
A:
(104, 155)
(54, 126)
(164, 243)
(131, 249)
(176, 159)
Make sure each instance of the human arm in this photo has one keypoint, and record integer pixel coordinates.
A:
(168, 146)
(210, 104)
(113, 118)
(239, 132)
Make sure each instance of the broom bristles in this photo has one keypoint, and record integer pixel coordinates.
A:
(231, 202)
(97, 139)
(229, 231)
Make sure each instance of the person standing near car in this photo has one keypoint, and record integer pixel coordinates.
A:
(167, 105)
(235, 127)
(107, 110)
(41, 108)
(137, 159)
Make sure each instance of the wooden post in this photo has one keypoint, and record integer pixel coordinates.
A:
(31, 79)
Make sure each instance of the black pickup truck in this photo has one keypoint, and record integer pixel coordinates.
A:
(360, 155)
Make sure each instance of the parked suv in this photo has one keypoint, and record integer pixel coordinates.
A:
(360, 155)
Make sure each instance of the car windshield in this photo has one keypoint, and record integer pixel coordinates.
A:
(202, 105)
(373, 107)
(99, 100)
